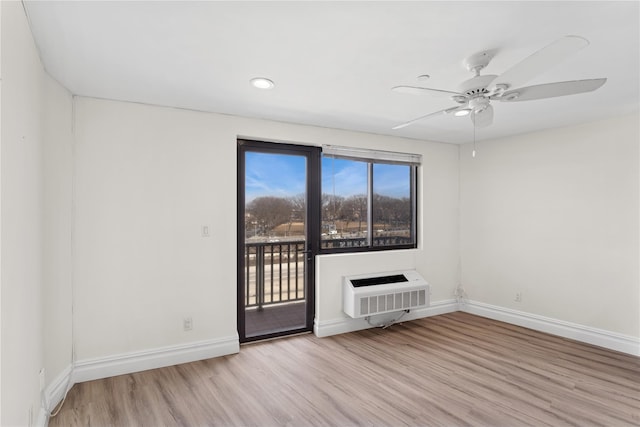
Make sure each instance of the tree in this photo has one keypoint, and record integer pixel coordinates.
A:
(392, 212)
(331, 207)
(269, 211)
(299, 206)
(355, 209)
(403, 213)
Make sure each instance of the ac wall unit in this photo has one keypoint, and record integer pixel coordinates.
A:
(368, 294)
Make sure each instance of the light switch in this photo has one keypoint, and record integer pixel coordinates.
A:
(205, 231)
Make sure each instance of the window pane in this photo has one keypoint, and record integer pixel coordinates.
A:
(275, 197)
(392, 213)
(344, 203)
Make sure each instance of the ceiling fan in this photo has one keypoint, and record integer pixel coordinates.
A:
(475, 95)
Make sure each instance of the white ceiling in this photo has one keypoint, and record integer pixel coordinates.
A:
(334, 63)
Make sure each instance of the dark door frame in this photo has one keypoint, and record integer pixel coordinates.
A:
(312, 154)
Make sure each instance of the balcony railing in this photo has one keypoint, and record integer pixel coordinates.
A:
(275, 271)
(362, 242)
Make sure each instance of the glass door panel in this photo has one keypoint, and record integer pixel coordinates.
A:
(275, 281)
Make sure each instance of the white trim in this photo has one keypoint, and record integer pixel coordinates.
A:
(611, 340)
(347, 324)
(93, 369)
(43, 418)
(338, 152)
(55, 391)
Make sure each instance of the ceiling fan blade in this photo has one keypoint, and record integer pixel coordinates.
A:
(551, 90)
(437, 113)
(414, 90)
(540, 61)
(483, 118)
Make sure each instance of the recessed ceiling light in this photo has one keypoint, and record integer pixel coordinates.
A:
(461, 113)
(262, 83)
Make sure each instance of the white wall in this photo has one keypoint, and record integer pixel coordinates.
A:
(554, 215)
(21, 240)
(1, 213)
(35, 223)
(147, 178)
(57, 228)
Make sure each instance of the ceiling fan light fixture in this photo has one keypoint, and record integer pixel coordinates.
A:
(463, 112)
(262, 83)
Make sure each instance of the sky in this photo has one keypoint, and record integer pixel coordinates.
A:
(283, 175)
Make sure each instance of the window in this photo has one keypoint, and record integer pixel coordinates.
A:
(368, 200)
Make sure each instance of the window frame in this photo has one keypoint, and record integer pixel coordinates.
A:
(413, 196)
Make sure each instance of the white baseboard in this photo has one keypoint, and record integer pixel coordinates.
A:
(599, 337)
(93, 369)
(347, 324)
(55, 392)
(43, 418)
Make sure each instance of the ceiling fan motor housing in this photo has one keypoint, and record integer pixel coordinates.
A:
(477, 85)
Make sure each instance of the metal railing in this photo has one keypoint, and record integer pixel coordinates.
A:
(362, 242)
(275, 271)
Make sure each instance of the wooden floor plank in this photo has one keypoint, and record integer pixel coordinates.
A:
(450, 370)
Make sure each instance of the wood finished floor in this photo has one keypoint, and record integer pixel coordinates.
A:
(450, 370)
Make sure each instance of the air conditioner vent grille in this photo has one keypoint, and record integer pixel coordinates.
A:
(391, 302)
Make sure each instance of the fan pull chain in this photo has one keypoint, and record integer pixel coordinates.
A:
(473, 153)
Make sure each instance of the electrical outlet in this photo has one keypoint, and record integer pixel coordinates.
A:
(518, 297)
(42, 379)
(187, 323)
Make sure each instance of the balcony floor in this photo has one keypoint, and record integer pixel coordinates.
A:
(275, 318)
